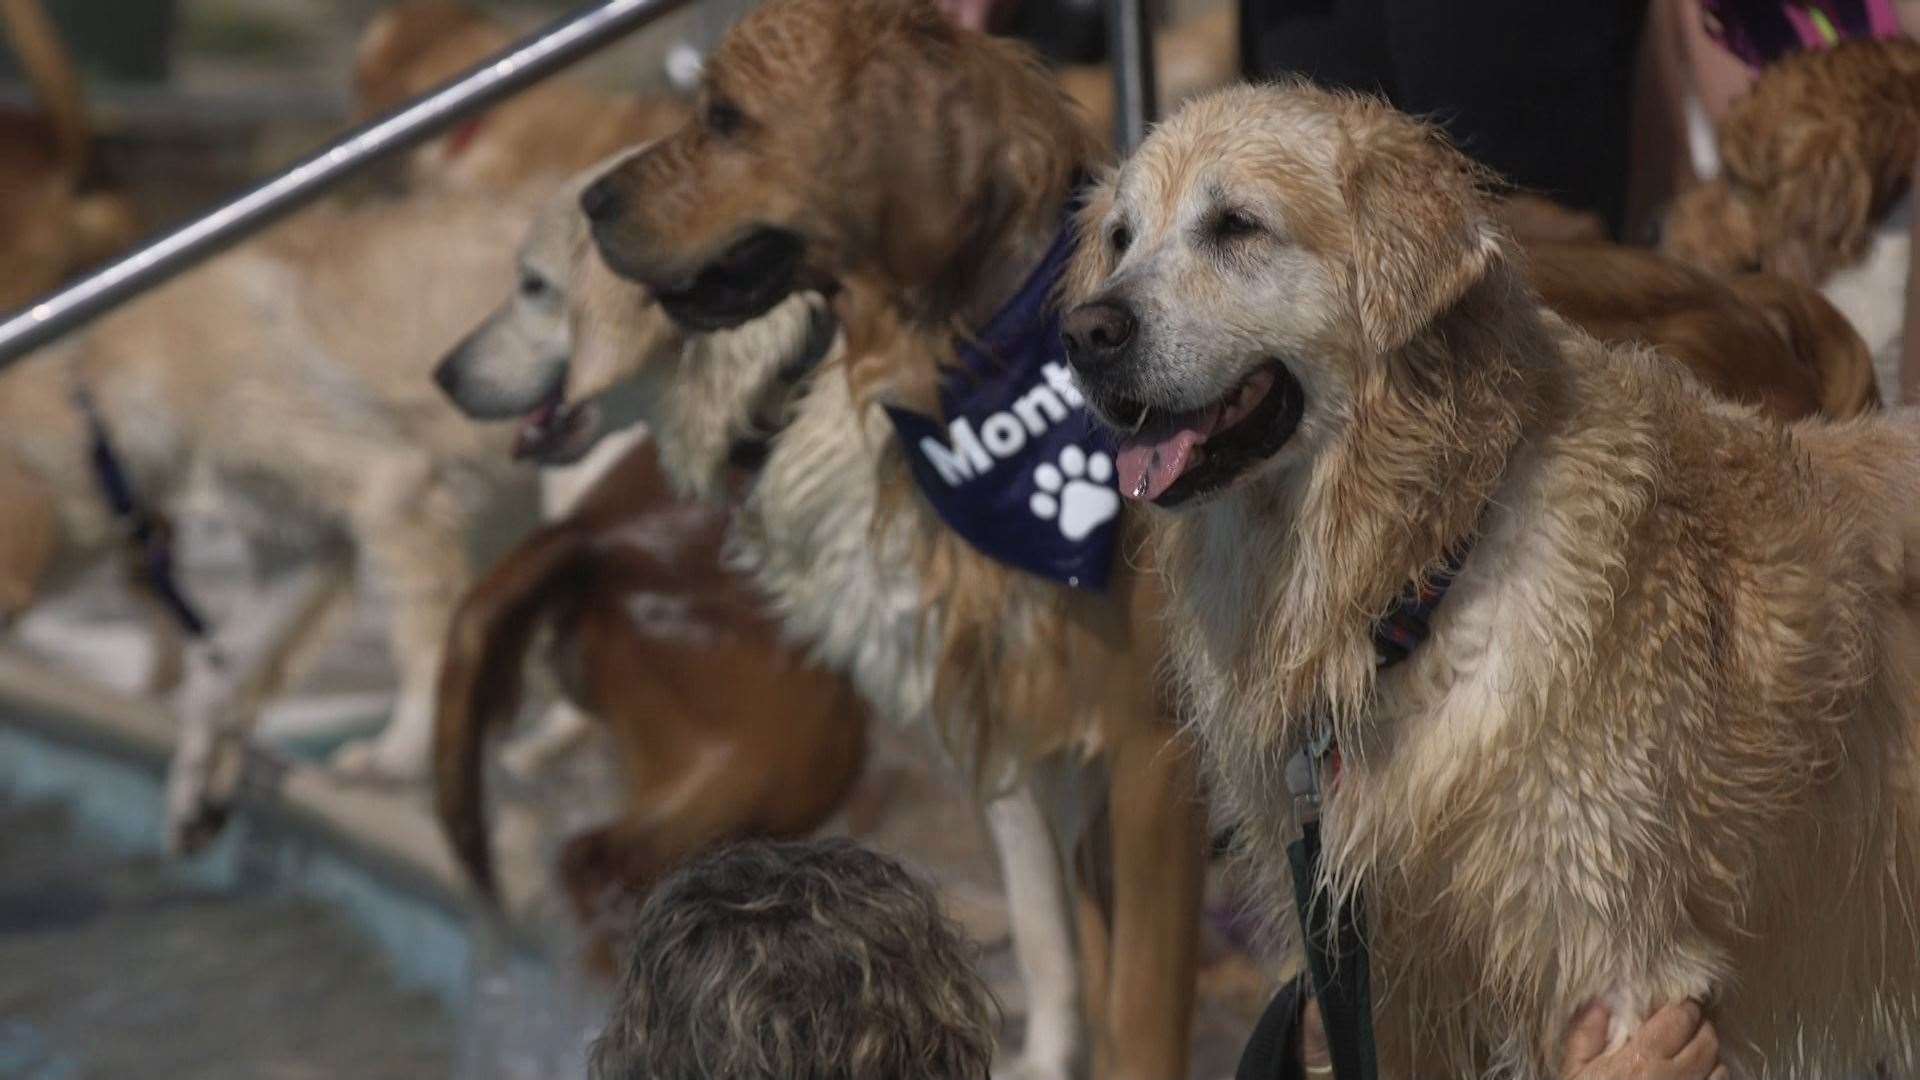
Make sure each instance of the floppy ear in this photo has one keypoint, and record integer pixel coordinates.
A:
(954, 145)
(1092, 260)
(1423, 233)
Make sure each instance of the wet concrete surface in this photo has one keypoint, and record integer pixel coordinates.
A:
(115, 966)
(103, 956)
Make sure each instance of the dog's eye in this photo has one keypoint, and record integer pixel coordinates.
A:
(1233, 225)
(534, 287)
(1120, 239)
(724, 117)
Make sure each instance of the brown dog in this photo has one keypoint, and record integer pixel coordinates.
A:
(1658, 737)
(724, 733)
(873, 146)
(1754, 337)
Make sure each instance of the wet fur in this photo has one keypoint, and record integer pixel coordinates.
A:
(1661, 741)
(925, 168)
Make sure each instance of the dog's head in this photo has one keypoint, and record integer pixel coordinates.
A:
(519, 364)
(578, 351)
(837, 139)
(1253, 269)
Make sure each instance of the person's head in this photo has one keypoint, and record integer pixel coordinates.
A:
(817, 960)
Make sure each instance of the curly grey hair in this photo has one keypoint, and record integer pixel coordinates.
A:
(817, 960)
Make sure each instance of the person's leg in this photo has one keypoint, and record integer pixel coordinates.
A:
(1541, 93)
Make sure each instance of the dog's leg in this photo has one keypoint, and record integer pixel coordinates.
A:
(226, 681)
(168, 667)
(562, 726)
(1043, 939)
(412, 528)
(1159, 862)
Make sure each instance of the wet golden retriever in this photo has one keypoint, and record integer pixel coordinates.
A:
(922, 170)
(1660, 741)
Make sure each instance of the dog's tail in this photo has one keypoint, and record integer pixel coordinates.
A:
(1821, 338)
(55, 80)
(480, 679)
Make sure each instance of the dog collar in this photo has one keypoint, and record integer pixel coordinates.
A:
(1405, 626)
(1017, 466)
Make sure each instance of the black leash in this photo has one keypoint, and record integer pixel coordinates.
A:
(1333, 933)
(148, 532)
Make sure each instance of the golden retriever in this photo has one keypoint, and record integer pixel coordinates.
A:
(1817, 161)
(1661, 740)
(922, 170)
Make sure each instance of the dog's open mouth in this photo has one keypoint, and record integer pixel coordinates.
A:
(1169, 458)
(745, 282)
(556, 432)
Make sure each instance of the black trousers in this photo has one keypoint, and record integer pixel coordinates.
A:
(1537, 90)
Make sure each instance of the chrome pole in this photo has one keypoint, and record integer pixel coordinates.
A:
(560, 44)
(1130, 50)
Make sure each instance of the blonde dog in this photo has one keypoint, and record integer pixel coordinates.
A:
(290, 378)
(1660, 741)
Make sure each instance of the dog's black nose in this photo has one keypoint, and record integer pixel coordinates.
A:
(1096, 333)
(601, 202)
(447, 375)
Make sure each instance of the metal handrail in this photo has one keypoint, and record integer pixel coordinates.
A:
(560, 44)
(1130, 50)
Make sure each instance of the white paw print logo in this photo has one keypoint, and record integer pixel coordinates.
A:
(1077, 493)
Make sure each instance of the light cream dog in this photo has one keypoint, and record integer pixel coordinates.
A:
(289, 379)
(1661, 740)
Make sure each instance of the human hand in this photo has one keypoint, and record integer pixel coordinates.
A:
(1676, 1043)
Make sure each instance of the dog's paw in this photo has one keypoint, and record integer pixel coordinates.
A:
(1077, 493)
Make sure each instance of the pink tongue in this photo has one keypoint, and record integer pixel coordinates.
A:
(1148, 469)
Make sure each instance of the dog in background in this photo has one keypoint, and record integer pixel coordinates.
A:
(1753, 337)
(341, 445)
(1664, 724)
(724, 734)
(1816, 162)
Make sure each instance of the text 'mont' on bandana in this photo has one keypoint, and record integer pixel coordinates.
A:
(1020, 469)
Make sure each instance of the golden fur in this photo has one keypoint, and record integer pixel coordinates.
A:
(1661, 741)
(1814, 155)
(926, 168)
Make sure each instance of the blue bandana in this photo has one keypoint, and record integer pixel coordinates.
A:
(1020, 469)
